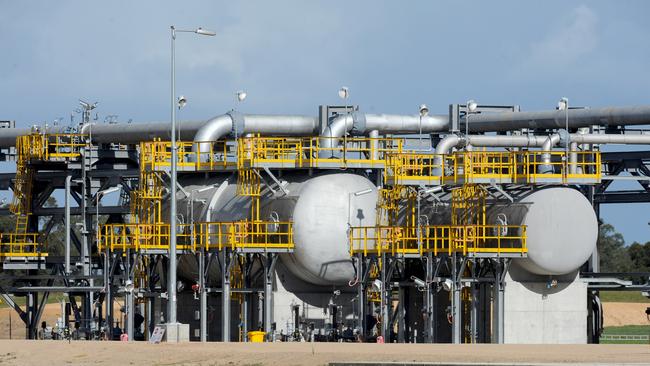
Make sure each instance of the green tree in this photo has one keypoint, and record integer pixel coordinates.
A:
(640, 256)
(614, 256)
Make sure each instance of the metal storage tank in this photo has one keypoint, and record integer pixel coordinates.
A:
(321, 208)
(561, 225)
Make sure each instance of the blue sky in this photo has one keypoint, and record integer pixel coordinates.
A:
(291, 56)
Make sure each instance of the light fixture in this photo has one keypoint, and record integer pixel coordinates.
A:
(471, 106)
(563, 104)
(241, 96)
(344, 92)
(424, 110)
(182, 101)
(204, 32)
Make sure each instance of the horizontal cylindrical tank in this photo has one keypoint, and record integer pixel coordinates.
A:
(322, 209)
(561, 227)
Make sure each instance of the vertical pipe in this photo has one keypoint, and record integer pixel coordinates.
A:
(401, 316)
(68, 183)
(107, 292)
(385, 298)
(573, 158)
(171, 283)
(498, 305)
(361, 298)
(244, 311)
(129, 299)
(204, 297)
(456, 302)
(225, 296)
(474, 304)
(428, 326)
(268, 293)
(374, 145)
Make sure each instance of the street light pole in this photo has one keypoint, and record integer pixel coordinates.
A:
(171, 282)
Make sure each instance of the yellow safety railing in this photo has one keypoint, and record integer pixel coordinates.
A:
(262, 235)
(438, 239)
(50, 147)
(556, 166)
(523, 167)
(310, 152)
(210, 236)
(420, 168)
(21, 245)
(193, 156)
(62, 146)
(120, 237)
(486, 166)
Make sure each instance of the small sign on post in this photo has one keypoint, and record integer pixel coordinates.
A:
(157, 335)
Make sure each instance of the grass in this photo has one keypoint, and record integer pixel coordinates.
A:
(626, 330)
(623, 296)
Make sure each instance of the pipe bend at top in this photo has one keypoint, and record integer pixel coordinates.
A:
(361, 124)
(214, 129)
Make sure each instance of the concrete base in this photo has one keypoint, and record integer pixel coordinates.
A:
(538, 313)
(176, 332)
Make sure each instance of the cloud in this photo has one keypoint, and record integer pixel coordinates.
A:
(566, 45)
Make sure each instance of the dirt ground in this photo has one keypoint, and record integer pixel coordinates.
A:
(625, 313)
(17, 328)
(287, 354)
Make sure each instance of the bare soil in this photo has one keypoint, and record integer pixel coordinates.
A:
(625, 313)
(118, 353)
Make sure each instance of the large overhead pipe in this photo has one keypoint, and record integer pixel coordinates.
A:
(357, 123)
(133, 133)
(236, 124)
(361, 124)
(610, 116)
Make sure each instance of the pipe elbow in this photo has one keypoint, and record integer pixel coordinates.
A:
(331, 136)
(211, 131)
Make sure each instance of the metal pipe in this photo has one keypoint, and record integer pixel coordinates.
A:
(547, 146)
(556, 119)
(133, 133)
(68, 183)
(235, 123)
(624, 139)
(573, 158)
(171, 281)
(363, 123)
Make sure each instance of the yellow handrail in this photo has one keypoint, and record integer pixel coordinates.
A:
(438, 239)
